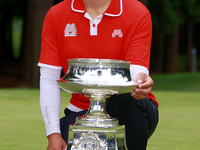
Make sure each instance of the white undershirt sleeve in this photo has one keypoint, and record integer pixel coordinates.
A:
(136, 69)
(50, 99)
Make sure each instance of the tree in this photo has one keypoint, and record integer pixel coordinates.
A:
(171, 19)
(9, 9)
(166, 21)
(31, 13)
(191, 15)
(37, 10)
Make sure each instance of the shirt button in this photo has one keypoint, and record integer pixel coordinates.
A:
(93, 25)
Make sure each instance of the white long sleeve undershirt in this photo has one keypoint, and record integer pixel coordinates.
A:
(50, 95)
(50, 99)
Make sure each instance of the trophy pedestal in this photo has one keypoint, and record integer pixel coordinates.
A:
(88, 138)
(96, 130)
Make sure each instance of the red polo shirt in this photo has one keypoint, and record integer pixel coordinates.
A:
(123, 32)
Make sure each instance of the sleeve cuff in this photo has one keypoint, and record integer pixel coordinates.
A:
(49, 66)
(136, 69)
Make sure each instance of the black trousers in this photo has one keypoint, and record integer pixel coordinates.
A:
(140, 118)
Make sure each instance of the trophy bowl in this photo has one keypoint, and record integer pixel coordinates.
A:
(97, 79)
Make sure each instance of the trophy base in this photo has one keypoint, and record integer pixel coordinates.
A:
(88, 138)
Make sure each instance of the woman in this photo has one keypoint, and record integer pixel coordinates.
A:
(104, 29)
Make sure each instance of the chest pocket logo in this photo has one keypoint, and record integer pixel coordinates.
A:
(117, 33)
(70, 30)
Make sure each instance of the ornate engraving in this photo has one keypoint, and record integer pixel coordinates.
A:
(89, 141)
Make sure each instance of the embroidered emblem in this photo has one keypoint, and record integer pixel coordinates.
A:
(70, 30)
(117, 33)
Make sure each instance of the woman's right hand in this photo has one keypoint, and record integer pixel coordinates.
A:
(56, 142)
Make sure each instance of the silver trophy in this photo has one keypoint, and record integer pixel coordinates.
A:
(97, 79)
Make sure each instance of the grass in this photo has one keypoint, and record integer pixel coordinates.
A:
(21, 125)
(179, 110)
(179, 123)
(22, 128)
(182, 82)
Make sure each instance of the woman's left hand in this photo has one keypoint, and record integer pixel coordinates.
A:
(145, 85)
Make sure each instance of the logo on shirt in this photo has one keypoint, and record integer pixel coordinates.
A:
(117, 32)
(70, 30)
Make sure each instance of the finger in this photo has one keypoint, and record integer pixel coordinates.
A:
(65, 148)
(143, 90)
(148, 83)
(137, 95)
